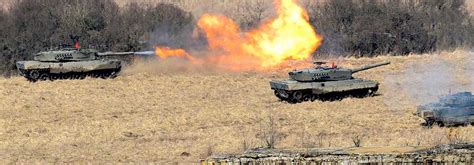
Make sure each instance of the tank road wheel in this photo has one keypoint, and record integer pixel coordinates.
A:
(337, 97)
(298, 96)
(105, 75)
(34, 75)
(329, 97)
(95, 75)
(306, 97)
(82, 76)
(314, 98)
(44, 77)
(53, 77)
(65, 76)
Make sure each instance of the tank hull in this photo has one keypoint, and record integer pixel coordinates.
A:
(37, 70)
(451, 110)
(447, 116)
(294, 91)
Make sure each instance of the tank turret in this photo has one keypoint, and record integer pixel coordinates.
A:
(72, 54)
(324, 83)
(324, 73)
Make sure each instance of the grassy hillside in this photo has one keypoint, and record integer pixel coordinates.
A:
(165, 112)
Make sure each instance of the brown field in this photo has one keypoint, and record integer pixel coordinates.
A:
(157, 112)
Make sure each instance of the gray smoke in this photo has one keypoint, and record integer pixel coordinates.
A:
(426, 79)
(431, 80)
(185, 37)
(470, 66)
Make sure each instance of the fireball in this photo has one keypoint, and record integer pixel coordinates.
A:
(289, 36)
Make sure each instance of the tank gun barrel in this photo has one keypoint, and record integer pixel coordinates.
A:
(145, 53)
(369, 67)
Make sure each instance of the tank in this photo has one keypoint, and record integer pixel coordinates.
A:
(451, 110)
(72, 63)
(324, 83)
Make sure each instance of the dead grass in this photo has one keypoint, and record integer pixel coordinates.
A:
(168, 115)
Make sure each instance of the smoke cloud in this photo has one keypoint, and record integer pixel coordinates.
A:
(429, 78)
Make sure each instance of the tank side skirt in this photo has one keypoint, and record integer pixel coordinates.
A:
(324, 87)
(69, 70)
(295, 92)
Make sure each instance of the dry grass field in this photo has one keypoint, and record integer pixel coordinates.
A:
(163, 112)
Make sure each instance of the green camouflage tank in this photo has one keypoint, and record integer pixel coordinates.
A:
(72, 63)
(324, 83)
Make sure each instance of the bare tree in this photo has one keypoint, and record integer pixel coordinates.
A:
(252, 13)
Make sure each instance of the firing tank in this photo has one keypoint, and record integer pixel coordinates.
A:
(324, 83)
(450, 110)
(72, 63)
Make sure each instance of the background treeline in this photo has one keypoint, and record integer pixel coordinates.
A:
(349, 27)
(399, 27)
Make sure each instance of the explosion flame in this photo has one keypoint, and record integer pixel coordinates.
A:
(289, 36)
(165, 52)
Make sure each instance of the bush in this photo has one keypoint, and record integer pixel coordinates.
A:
(33, 26)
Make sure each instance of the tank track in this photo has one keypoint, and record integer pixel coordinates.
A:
(440, 123)
(44, 75)
(300, 96)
